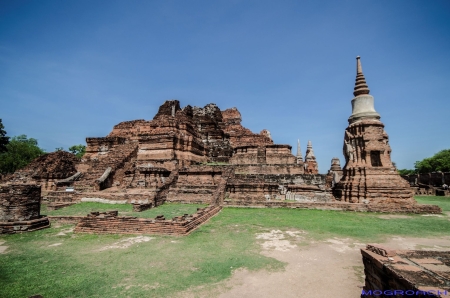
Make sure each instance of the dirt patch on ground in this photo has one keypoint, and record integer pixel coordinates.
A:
(65, 232)
(330, 268)
(409, 243)
(125, 243)
(2, 248)
(275, 239)
(394, 216)
(434, 215)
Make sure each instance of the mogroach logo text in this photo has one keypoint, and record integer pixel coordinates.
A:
(402, 293)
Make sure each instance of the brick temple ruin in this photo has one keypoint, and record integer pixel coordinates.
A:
(429, 184)
(399, 273)
(369, 175)
(20, 206)
(204, 155)
(191, 154)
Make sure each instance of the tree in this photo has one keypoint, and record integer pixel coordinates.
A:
(438, 162)
(406, 172)
(78, 150)
(4, 140)
(20, 152)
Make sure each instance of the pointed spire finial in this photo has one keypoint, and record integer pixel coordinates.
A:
(299, 151)
(309, 152)
(360, 84)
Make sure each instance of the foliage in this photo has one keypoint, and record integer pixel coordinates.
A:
(406, 172)
(78, 150)
(4, 140)
(20, 152)
(439, 162)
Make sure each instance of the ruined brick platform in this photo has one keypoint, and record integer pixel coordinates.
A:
(110, 223)
(340, 206)
(12, 227)
(20, 208)
(391, 273)
(45, 170)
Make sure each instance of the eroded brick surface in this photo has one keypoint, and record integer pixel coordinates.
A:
(110, 223)
(421, 273)
(20, 208)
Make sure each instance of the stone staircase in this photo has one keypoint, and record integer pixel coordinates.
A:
(115, 159)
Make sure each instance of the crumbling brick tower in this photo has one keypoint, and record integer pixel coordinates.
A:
(369, 176)
(311, 166)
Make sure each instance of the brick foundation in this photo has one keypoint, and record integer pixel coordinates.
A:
(56, 206)
(110, 223)
(65, 219)
(13, 227)
(342, 206)
(20, 208)
(421, 273)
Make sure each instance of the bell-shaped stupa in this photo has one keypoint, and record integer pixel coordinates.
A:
(363, 103)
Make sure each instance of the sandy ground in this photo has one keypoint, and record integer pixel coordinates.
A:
(331, 268)
(2, 247)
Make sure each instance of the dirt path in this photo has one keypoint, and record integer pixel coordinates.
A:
(332, 268)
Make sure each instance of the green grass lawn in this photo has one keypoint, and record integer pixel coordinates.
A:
(443, 202)
(167, 265)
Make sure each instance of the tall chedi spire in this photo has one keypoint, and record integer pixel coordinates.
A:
(299, 154)
(360, 84)
(368, 174)
(362, 104)
(311, 166)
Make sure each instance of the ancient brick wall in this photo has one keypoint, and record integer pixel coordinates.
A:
(220, 192)
(308, 179)
(368, 175)
(433, 179)
(19, 202)
(163, 191)
(267, 154)
(264, 187)
(196, 184)
(20, 208)
(65, 219)
(109, 152)
(289, 169)
(341, 206)
(110, 223)
(239, 135)
(245, 155)
(405, 273)
(12, 227)
(46, 169)
(209, 123)
(148, 177)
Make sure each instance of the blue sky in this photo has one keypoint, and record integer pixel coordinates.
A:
(73, 69)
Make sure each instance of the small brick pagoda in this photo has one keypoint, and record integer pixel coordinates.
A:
(369, 175)
(311, 166)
